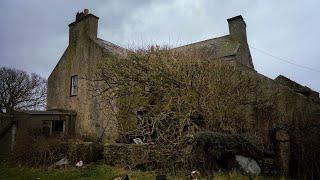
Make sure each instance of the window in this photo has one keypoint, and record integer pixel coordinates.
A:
(74, 85)
(57, 126)
(47, 127)
(53, 127)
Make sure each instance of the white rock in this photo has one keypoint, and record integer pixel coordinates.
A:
(61, 162)
(248, 164)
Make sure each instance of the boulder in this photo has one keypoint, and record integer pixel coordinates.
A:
(249, 165)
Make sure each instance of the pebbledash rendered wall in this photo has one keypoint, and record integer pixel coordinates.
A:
(82, 57)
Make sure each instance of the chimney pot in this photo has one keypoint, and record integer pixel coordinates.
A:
(86, 12)
(85, 25)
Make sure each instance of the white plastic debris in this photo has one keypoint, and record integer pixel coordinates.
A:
(61, 162)
(195, 175)
(79, 164)
(248, 164)
(138, 141)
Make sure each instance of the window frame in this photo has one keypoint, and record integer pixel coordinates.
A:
(71, 85)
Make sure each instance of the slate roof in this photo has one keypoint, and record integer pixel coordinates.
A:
(110, 47)
(216, 47)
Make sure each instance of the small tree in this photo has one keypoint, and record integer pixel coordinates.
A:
(20, 90)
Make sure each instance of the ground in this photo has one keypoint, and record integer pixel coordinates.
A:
(98, 171)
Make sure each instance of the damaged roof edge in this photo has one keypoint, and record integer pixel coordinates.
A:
(111, 47)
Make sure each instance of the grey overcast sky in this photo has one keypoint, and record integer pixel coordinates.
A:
(34, 33)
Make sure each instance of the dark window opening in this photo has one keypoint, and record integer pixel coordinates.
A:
(57, 126)
(46, 129)
(74, 85)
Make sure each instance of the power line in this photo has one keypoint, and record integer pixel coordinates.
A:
(284, 60)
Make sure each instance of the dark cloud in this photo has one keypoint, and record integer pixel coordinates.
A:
(34, 33)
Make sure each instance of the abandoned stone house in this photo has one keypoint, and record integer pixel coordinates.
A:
(69, 88)
(69, 85)
(71, 107)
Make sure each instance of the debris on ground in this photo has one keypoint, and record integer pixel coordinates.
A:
(64, 161)
(138, 141)
(79, 163)
(195, 175)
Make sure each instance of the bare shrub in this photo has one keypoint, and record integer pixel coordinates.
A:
(162, 94)
(38, 150)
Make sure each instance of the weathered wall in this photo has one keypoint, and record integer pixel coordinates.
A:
(81, 58)
(238, 33)
(6, 134)
(284, 108)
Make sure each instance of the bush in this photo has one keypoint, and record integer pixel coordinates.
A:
(85, 151)
(38, 151)
(214, 151)
(161, 94)
(35, 149)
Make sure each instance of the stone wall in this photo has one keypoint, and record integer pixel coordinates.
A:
(303, 90)
(7, 133)
(82, 58)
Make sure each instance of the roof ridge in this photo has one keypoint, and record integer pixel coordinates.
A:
(198, 42)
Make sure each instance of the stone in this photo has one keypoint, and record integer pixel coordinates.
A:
(283, 151)
(282, 135)
(249, 165)
(64, 161)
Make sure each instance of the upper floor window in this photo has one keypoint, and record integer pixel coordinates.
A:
(74, 85)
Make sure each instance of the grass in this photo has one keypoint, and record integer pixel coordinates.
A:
(99, 171)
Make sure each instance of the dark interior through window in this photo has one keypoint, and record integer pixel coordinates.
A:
(57, 126)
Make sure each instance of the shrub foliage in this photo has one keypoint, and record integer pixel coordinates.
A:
(162, 94)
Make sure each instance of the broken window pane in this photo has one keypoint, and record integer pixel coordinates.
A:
(74, 85)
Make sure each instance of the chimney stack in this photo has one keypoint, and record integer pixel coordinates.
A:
(237, 29)
(86, 12)
(85, 26)
(238, 32)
